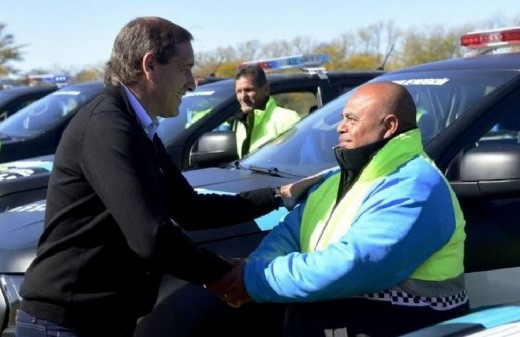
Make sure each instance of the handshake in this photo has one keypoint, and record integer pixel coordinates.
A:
(231, 288)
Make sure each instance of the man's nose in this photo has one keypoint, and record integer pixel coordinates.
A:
(340, 128)
(190, 82)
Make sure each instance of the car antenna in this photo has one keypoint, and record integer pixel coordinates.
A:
(382, 66)
(212, 74)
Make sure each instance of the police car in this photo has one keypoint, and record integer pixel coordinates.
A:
(469, 117)
(208, 110)
(36, 129)
(15, 98)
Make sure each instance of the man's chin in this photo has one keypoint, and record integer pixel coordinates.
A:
(344, 145)
(170, 114)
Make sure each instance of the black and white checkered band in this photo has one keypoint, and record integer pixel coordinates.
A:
(436, 303)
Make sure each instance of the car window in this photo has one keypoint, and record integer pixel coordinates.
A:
(194, 106)
(305, 148)
(47, 112)
(301, 102)
(10, 105)
(441, 98)
(505, 131)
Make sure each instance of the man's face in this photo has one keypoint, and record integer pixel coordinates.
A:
(172, 80)
(363, 122)
(249, 95)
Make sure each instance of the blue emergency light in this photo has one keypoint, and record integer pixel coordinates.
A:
(290, 62)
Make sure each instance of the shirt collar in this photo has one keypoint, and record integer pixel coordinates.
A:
(148, 124)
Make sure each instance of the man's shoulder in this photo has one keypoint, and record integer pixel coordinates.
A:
(284, 115)
(279, 109)
(418, 171)
(110, 99)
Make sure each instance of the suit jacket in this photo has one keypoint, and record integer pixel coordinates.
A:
(114, 205)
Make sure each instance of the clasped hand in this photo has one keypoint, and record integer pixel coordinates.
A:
(231, 288)
(294, 192)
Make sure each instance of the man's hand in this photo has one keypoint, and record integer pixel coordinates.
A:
(231, 288)
(293, 193)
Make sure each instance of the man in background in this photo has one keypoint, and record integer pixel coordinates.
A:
(260, 118)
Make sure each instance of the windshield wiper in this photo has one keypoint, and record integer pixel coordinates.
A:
(272, 171)
(4, 136)
(236, 165)
(266, 170)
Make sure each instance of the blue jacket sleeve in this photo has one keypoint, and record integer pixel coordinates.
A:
(397, 228)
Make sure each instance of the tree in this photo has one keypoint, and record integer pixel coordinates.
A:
(336, 52)
(430, 44)
(88, 74)
(8, 52)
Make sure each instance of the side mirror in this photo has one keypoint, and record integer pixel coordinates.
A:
(217, 148)
(491, 170)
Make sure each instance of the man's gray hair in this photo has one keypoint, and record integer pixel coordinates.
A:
(138, 37)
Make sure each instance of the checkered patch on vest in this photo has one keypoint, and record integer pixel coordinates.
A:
(402, 298)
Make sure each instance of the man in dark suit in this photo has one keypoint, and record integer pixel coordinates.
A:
(116, 201)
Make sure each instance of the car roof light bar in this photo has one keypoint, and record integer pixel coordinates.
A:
(290, 62)
(492, 39)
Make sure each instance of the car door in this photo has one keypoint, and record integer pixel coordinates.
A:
(298, 95)
(482, 162)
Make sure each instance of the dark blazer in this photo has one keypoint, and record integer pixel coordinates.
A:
(114, 205)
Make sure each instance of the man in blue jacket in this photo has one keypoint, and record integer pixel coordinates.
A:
(377, 247)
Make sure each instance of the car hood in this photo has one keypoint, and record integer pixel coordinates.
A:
(8, 144)
(24, 181)
(227, 180)
(20, 227)
(232, 181)
(25, 167)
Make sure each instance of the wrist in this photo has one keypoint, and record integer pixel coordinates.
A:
(278, 197)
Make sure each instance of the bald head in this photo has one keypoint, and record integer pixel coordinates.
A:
(374, 112)
(390, 98)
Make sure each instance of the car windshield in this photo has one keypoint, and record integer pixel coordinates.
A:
(441, 98)
(194, 106)
(49, 111)
(6, 95)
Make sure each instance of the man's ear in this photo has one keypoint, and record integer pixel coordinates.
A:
(147, 64)
(391, 124)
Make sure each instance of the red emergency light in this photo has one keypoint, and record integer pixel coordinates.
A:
(491, 38)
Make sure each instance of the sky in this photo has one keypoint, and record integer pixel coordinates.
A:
(72, 34)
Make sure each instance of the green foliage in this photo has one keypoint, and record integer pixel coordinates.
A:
(8, 52)
(88, 74)
(429, 45)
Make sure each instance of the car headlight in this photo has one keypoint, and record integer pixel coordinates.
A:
(10, 285)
